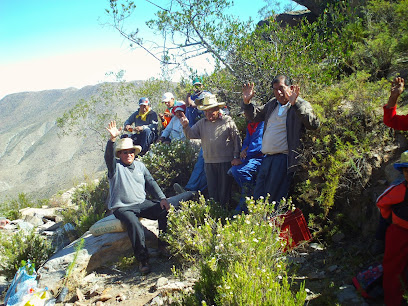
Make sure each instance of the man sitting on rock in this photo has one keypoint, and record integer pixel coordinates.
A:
(145, 120)
(129, 180)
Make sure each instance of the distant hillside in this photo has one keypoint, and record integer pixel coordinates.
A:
(33, 159)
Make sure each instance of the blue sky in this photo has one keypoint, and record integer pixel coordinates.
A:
(49, 44)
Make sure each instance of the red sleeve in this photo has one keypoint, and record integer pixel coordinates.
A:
(391, 119)
(394, 194)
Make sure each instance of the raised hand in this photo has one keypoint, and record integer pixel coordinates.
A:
(292, 96)
(248, 92)
(183, 120)
(113, 130)
(397, 86)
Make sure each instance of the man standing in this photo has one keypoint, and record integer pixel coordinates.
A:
(128, 182)
(286, 118)
(145, 120)
(221, 146)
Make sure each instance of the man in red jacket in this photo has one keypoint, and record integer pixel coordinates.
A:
(391, 119)
(393, 205)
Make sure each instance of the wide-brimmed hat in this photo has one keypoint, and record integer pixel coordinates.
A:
(126, 144)
(167, 97)
(403, 162)
(207, 100)
(144, 101)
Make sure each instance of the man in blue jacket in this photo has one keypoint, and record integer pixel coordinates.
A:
(145, 121)
(129, 180)
(286, 118)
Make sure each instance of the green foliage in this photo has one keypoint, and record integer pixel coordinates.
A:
(337, 155)
(22, 246)
(10, 208)
(90, 199)
(239, 260)
(78, 247)
(171, 163)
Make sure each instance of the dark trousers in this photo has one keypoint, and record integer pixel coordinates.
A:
(130, 217)
(144, 139)
(273, 178)
(219, 183)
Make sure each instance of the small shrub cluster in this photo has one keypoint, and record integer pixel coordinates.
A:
(239, 259)
(22, 246)
(171, 163)
(90, 199)
(10, 208)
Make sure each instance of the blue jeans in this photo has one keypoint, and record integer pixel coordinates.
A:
(273, 178)
(198, 180)
(245, 175)
(144, 139)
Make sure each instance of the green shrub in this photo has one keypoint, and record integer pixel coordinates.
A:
(171, 163)
(22, 246)
(11, 208)
(90, 199)
(239, 259)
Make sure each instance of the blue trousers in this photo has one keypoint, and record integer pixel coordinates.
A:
(144, 139)
(273, 178)
(198, 179)
(245, 175)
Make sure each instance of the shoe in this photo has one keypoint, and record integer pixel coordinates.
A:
(144, 267)
(178, 189)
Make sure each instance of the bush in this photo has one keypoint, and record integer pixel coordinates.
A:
(11, 208)
(171, 163)
(22, 246)
(239, 260)
(90, 199)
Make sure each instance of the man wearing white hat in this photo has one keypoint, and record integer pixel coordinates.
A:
(170, 101)
(221, 146)
(129, 180)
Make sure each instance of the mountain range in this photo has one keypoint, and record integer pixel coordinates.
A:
(34, 159)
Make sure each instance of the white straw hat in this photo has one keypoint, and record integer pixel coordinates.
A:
(208, 101)
(125, 144)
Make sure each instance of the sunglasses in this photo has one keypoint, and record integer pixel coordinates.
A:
(126, 152)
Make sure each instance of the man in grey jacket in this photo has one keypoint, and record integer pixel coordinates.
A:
(286, 118)
(129, 180)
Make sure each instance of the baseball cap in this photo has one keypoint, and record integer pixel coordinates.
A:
(144, 101)
(197, 81)
(167, 97)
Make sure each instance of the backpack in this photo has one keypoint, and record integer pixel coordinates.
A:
(369, 282)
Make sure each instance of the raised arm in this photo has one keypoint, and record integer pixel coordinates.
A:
(397, 87)
(109, 151)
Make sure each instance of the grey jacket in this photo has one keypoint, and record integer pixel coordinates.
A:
(127, 183)
(299, 118)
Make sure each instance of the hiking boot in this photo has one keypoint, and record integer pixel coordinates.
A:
(144, 267)
(178, 189)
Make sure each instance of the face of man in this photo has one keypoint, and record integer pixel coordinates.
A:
(282, 91)
(212, 114)
(143, 109)
(198, 87)
(178, 114)
(127, 156)
(170, 103)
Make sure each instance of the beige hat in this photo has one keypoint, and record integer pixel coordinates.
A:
(209, 101)
(125, 144)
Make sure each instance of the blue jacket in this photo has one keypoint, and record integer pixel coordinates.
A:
(253, 142)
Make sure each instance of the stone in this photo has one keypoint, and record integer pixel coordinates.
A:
(332, 268)
(162, 281)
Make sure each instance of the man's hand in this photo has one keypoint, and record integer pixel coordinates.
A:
(292, 97)
(128, 127)
(243, 153)
(248, 92)
(183, 120)
(138, 128)
(397, 87)
(164, 204)
(236, 162)
(113, 130)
